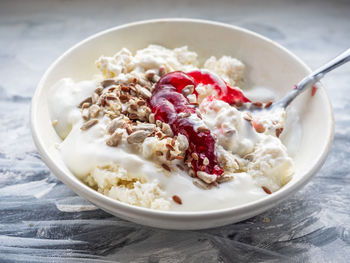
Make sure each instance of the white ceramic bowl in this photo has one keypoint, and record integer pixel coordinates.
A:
(267, 64)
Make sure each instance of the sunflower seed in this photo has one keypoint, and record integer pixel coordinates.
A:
(98, 90)
(138, 136)
(94, 110)
(85, 105)
(89, 124)
(224, 178)
(115, 139)
(208, 178)
(145, 93)
(108, 82)
(115, 124)
(87, 100)
(200, 184)
(95, 98)
(144, 126)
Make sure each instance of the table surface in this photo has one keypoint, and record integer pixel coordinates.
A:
(42, 220)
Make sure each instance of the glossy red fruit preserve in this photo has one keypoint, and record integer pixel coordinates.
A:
(167, 102)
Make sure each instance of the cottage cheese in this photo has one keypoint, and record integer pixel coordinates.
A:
(134, 173)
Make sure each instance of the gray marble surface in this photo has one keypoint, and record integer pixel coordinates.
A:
(40, 219)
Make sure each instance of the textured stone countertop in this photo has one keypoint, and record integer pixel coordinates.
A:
(39, 217)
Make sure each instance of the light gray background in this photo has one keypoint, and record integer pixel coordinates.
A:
(39, 221)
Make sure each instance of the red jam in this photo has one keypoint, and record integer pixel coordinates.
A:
(167, 102)
(225, 92)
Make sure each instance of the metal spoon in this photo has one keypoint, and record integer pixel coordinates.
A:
(305, 83)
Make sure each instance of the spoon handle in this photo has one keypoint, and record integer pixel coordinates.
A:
(314, 77)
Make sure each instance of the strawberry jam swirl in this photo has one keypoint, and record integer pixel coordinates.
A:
(170, 106)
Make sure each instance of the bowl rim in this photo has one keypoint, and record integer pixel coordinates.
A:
(108, 203)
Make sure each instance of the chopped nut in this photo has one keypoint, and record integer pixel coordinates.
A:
(208, 178)
(206, 161)
(184, 114)
(183, 142)
(187, 90)
(89, 124)
(115, 139)
(138, 136)
(128, 129)
(166, 129)
(177, 199)
(151, 118)
(200, 184)
(192, 98)
(159, 123)
(94, 110)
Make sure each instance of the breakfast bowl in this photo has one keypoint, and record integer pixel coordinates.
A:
(267, 65)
